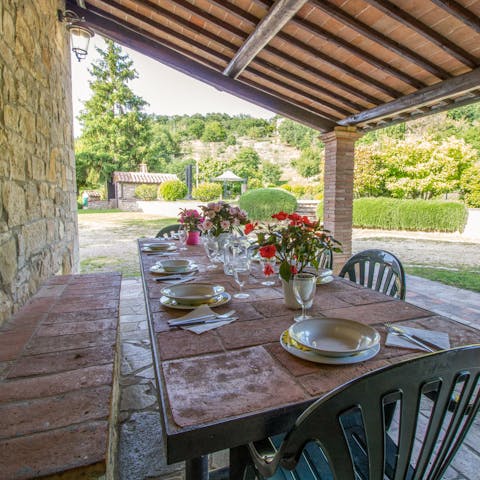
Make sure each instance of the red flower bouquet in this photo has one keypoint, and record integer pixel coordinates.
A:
(293, 240)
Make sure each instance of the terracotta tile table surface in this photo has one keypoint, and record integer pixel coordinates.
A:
(236, 384)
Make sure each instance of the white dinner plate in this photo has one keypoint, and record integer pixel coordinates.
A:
(324, 280)
(218, 301)
(169, 248)
(315, 357)
(334, 337)
(157, 269)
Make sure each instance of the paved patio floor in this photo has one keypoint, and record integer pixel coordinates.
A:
(140, 453)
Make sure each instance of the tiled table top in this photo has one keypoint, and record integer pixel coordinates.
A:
(56, 373)
(236, 383)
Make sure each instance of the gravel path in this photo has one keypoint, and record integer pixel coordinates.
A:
(108, 243)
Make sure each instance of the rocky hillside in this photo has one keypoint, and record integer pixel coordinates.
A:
(271, 150)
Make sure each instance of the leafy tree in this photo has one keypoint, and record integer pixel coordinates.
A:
(471, 113)
(309, 163)
(163, 149)
(246, 163)
(214, 132)
(271, 173)
(470, 186)
(116, 133)
(297, 135)
(412, 168)
(209, 167)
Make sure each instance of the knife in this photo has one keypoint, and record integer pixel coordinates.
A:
(196, 321)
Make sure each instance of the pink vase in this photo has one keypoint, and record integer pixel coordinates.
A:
(193, 237)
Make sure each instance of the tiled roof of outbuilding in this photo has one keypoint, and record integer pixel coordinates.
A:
(142, 177)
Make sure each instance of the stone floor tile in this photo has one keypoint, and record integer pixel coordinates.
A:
(141, 454)
(135, 357)
(138, 397)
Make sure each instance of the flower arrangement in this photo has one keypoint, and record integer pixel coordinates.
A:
(190, 218)
(294, 241)
(221, 217)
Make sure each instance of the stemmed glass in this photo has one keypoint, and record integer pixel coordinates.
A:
(182, 236)
(210, 245)
(241, 272)
(304, 286)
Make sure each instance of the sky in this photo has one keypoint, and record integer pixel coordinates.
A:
(167, 91)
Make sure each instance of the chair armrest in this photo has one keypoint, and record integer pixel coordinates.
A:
(264, 457)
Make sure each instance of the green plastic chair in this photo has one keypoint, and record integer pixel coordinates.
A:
(169, 229)
(344, 435)
(377, 269)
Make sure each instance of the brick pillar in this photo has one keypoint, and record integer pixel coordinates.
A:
(338, 188)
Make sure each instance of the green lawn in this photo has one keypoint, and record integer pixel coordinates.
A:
(98, 210)
(468, 278)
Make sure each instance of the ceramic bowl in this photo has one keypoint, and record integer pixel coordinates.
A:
(177, 265)
(193, 293)
(334, 337)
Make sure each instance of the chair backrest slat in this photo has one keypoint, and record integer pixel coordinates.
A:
(377, 269)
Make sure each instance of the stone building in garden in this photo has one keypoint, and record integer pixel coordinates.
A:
(125, 183)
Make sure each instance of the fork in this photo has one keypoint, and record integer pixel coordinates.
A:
(393, 329)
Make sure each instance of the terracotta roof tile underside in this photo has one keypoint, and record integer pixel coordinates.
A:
(362, 63)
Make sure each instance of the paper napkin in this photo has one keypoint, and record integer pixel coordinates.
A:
(204, 327)
(440, 339)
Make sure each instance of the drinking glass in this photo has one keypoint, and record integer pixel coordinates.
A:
(304, 286)
(241, 272)
(182, 236)
(268, 271)
(210, 244)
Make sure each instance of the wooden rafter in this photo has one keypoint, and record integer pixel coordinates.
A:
(459, 11)
(280, 13)
(368, 32)
(245, 16)
(411, 22)
(114, 28)
(434, 94)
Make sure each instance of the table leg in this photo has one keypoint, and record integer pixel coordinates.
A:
(197, 468)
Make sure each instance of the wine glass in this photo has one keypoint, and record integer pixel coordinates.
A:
(304, 286)
(210, 245)
(182, 236)
(241, 272)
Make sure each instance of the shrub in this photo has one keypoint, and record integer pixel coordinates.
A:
(254, 183)
(417, 215)
(146, 192)
(206, 192)
(172, 190)
(262, 203)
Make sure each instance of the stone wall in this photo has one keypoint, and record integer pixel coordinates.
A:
(38, 226)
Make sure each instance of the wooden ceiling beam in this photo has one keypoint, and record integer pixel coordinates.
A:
(377, 37)
(460, 12)
(314, 98)
(280, 13)
(115, 29)
(247, 17)
(434, 94)
(425, 31)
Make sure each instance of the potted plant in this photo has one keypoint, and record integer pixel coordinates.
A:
(295, 242)
(221, 217)
(191, 220)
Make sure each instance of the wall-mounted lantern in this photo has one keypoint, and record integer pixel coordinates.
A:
(80, 34)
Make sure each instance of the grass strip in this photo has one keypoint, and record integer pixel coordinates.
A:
(467, 278)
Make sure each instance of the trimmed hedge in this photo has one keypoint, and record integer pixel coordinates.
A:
(416, 215)
(172, 190)
(207, 192)
(262, 203)
(146, 192)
